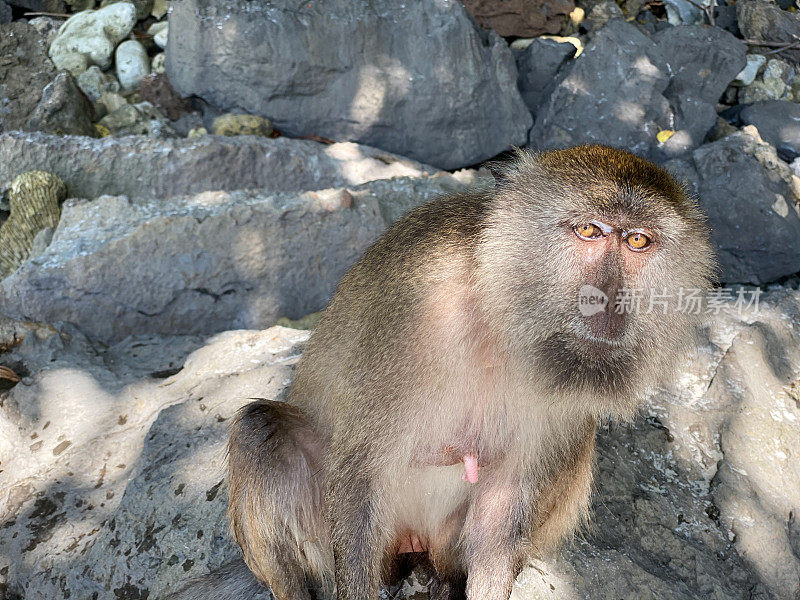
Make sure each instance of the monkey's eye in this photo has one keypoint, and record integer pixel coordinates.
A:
(588, 231)
(638, 241)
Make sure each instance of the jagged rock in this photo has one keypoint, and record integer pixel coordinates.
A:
(694, 499)
(537, 66)
(521, 18)
(24, 72)
(448, 99)
(63, 109)
(625, 88)
(764, 20)
(94, 83)
(701, 61)
(778, 123)
(157, 90)
(141, 118)
(750, 197)
(749, 73)
(35, 201)
(90, 37)
(143, 167)
(205, 263)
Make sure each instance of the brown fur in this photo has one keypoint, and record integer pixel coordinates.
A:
(455, 334)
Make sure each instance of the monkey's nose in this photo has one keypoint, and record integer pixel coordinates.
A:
(608, 323)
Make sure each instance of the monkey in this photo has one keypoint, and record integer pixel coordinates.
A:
(446, 404)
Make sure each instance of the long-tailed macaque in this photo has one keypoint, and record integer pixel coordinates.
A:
(446, 404)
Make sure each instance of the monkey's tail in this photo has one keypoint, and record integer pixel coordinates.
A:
(232, 581)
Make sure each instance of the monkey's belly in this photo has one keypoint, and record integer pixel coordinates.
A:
(425, 500)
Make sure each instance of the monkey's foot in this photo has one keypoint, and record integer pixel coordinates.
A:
(470, 468)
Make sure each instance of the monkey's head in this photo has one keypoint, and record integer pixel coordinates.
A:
(595, 260)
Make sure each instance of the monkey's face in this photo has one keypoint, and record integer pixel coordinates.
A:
(600, 255)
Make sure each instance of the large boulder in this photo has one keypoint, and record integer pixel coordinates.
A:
(751, 199)
(415, 78)
(697, 498)
(205, 263)
(626, 88)
(140, 166)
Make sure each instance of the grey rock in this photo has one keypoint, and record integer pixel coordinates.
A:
(5, 13)
(63, 109)
(48, 27)
(56, 6)
(143, 7)
(778, 122)
(764, 20)
(626, 87)
(94, 83)
(24, 72)
(537, 66)
(749, 73)
(141, 118)
(132, 63)
(448, 99)
(702, 61)
(142, 167)
(682, 12)
(205, 263)
(612, 94)
(752, 211)
(775, 82)
(694, 499)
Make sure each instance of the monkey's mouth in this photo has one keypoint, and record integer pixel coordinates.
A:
(604, 338)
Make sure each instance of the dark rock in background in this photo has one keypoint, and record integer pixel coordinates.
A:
(157, 90)
(701, 61)
(778, 122)
(537, 66)
(417, 78)
(764, 20)
(626, 87)
(205, 263)
(5, 13)
(612, 94)
(63, 109)
(145, 167)
(51, 6)
(751, 207)
(520, 18)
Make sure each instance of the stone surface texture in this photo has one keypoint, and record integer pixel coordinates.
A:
(448, 99)
(144, 167)
(209, 262)
(625, 88)
(751, 199)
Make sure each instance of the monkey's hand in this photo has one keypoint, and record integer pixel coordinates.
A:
(470, 468)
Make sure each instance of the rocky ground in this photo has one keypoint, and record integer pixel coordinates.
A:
(177, 176)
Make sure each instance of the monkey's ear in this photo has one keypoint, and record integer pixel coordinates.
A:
(506, 166)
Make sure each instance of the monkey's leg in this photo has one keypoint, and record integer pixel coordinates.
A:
(449, 579)
(357, 538)
(276, 510)
(492, 535)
